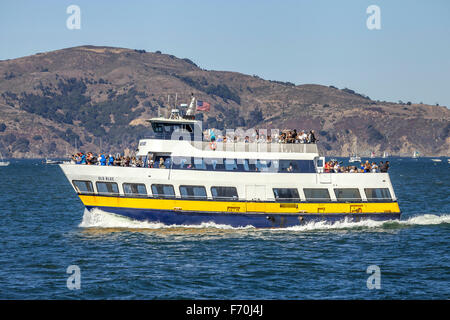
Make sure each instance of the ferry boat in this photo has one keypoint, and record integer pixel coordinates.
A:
(189, 181)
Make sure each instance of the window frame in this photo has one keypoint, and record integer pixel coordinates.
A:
(77, 189)
(290, 199)
(192, 197)
(348, 199)
(371, 199)
(134, 194)
(107, 193)
(308, 199)
(163, 196)
(234, 198)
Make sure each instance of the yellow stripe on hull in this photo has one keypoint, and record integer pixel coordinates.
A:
(239, 207)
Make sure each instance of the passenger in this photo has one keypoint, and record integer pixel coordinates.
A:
(367, 166)
(384, 167)
(374, 167)
(327, 167)
(336, 167)
(102, 160)
(161, 163)
(311, 137)
(110, 160)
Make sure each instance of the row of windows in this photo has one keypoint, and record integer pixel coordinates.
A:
(230, 193)
(240, 165)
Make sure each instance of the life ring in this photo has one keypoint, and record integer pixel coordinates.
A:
(212, 145)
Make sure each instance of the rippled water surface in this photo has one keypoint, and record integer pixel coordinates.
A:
(45, 229)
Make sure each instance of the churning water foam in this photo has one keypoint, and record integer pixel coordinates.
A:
(97, 218)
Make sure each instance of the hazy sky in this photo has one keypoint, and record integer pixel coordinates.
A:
(305, 41)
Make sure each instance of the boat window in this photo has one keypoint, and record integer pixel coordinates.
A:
(193, 192)
(107, 188)
(348, 194)
(297, 166)
(83, 186)
(286, 194)
(378, 194)
(265, 165)
(181, 163)
(316, 194)
(250, 164)
(163, 190)
(134, 189)
(230, 164)
(214, 164)
(199, 164)
(224, 193)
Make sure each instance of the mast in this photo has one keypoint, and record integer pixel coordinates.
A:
(191, 110)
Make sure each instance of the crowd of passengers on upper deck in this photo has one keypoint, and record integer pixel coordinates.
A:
(285, 136)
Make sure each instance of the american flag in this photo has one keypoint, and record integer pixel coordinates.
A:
(203, 106)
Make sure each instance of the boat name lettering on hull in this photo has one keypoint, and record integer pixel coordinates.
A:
(106, 178)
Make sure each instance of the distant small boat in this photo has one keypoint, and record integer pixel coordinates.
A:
(50, 161)
(355, 157)
(3, 163)
(385, 155)
(415, 154)
(436, 160)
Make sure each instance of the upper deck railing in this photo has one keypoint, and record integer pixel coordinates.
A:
(255, 147)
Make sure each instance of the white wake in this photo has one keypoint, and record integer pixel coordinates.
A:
(97, 218)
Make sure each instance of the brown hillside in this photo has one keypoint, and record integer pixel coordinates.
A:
(97, 96)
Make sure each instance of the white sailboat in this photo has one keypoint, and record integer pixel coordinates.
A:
(415, 154)
(3, 163)
(354, 157)
(385, 155)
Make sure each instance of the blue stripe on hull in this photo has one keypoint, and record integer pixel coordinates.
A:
(266, 220)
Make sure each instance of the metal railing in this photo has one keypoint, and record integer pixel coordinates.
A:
(255, 147)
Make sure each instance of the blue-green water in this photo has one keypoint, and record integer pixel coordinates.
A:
(45, 229)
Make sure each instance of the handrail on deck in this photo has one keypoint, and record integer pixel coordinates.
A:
(255, 147)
